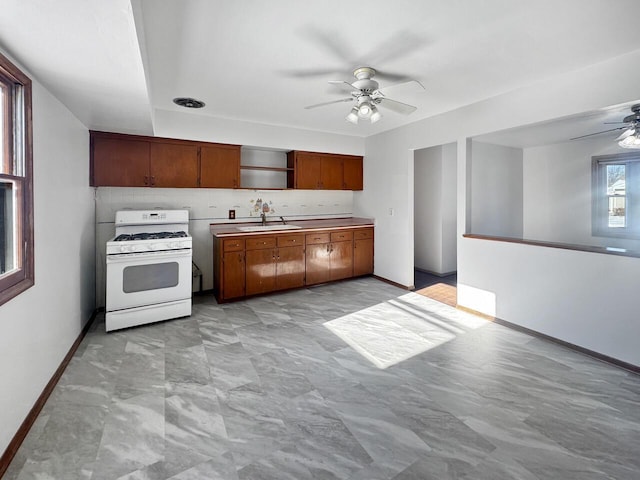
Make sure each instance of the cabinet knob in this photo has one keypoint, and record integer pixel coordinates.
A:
(146, 180)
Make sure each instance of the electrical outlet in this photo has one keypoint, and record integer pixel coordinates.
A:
(391, 212)
(232, 214)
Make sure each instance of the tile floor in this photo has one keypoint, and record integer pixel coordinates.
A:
(261, 389)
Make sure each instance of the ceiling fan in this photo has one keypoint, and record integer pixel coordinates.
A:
(366, 94)
(630, 138)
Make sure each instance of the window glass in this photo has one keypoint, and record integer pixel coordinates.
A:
(16, 182)
(3, 137)
(616, 195)
(616, 192)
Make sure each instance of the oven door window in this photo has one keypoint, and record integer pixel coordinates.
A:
(140, 278)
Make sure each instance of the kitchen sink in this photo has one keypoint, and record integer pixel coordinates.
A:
(266, 228)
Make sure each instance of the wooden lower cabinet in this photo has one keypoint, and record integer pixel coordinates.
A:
(363, 252)
(290, 267)
(261, 271)
(233, 274)
(264, 263)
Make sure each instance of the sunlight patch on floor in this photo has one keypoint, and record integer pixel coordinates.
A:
(393, 331)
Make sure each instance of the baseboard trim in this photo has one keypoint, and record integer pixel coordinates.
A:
(431, 272)
(390, 282)
(21, 434)
(598, 356)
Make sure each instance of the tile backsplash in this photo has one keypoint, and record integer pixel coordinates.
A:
(208, 206)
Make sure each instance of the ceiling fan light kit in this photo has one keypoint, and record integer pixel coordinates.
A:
(631, 141)
(367, 95)
(630, 138)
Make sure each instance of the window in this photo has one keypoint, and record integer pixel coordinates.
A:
(616, 195)
(16, 182)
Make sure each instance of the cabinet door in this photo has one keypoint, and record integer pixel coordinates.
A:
(341, 256)
(290, 267)
(233, 275)
(120, 163)
(317, 263)
(331, 173)
(261, 271)
(362, 256)
(308, 168)
(173, 165)
(352, 173)
(220, 166)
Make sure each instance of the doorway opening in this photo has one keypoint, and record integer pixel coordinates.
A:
(435, 224)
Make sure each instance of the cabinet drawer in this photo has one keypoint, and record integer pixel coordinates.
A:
(260, 242)
(232, 245)
(363, 234)
(289, 240)
(341, 236)
(316, 238)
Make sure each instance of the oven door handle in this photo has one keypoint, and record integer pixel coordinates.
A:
(135, 256)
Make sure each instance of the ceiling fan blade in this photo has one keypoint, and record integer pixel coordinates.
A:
(329, 103)
(312, 72)
(344, 85)
(391, 76)
(626, 133)
(597, 133)
(396, 106)
(408, 86)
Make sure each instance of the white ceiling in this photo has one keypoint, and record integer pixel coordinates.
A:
(113, 63)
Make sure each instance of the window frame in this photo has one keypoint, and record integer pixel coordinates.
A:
(21, 278)
(599, 196)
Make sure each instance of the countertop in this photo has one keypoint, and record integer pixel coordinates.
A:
(230, 229)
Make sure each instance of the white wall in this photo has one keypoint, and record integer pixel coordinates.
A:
(449, 207)
(428, 205)
(557, 192)
(206, 206)
(389, 183)
(435, 209)
(496, 190)
(38, 327)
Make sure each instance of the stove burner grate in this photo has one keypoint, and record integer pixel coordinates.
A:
(125, 237)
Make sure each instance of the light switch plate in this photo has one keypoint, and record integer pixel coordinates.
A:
(232, 214)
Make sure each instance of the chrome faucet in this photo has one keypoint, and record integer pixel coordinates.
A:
(283, 222)
(264, 218)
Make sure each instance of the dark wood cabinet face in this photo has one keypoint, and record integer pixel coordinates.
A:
(317, 264)
(233, 266)
(290, 267)
(261, 271)
(362, 257)
(120, 163)
(352, 172)
(325, 171)
(265, 263)
(220, 166)
(173, 165)
(341, 260)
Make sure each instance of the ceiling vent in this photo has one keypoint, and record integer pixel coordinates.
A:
(188, 102)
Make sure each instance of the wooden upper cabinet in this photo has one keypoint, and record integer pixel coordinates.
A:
(352, 171)
(324, 171)
(173, 165)
(220, 166)
(306, 169)
(331, 175)
(119, 162)
(135, 161)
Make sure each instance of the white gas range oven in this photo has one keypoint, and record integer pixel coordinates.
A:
(149, 273)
